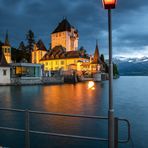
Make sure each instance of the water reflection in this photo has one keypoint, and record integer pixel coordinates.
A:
(58, 98)
(71, 98)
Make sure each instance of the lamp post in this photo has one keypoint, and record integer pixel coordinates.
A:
(110, 4)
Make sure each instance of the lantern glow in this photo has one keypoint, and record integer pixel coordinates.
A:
(91, 85)
(109, 4)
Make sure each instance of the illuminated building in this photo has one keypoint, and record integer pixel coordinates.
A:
(58, 58)
(7, 49)
(96, 63)
(65, 35)
(4, 70)
(38, 52)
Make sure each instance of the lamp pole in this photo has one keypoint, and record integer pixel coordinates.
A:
(110, 4)
(110, 110)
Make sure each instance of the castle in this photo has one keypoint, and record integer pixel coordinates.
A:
(64, 54)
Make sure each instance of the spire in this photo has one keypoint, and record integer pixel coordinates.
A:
(96, 59)
(7, 39)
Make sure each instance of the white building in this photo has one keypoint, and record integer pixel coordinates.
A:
(4, 70)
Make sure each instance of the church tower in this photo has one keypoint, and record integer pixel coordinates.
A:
(65, 35)
(96, 59)
(7, 49)
(96, 62)
(38, 52)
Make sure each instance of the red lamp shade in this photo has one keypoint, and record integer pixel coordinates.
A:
(109, 4)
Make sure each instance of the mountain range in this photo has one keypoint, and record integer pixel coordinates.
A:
(132, 66)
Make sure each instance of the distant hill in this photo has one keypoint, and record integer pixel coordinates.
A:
(132, 66)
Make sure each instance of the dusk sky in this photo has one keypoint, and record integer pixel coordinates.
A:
(130, 23)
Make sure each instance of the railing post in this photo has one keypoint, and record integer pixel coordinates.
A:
(27, 138)
(116, 132)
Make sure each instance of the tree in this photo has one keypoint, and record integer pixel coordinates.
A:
(22, 46)
(106, 68)
(115, 70)
(30, 39)
(102, 58)
(82, 51)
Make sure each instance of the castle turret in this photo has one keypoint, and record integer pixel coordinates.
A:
(7, 49)
(65, 35)
(38, 52)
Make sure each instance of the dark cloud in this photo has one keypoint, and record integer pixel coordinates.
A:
(129, 22)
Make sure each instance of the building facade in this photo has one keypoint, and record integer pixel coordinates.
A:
(38, 52)
(65, 35)
(4, 70)
(7, 49)
(58, 58)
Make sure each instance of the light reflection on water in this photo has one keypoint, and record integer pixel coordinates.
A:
(129, 101)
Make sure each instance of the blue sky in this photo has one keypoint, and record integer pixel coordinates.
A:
(130, 18)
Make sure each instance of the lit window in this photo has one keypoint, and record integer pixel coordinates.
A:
(62, 62)
(56, 62)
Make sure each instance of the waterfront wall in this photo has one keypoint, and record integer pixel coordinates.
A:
(52, 80)
(5, 76)
(26, 81)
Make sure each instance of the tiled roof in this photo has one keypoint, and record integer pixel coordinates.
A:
(41, 45)
(3, 62)
(59, 52)
(64, 25)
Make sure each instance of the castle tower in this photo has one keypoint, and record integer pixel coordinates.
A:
(65, 35)
(38, 52)
(7, 49)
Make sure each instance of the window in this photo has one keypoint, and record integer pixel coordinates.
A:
(62, 62)
(46, 63)
(4, 72)
(34, 56)
(56, 62)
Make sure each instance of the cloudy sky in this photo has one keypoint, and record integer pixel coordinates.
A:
(130, 23)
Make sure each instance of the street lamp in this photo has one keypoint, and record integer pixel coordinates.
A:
(110, 4)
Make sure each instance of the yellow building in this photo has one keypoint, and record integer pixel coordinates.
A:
(65, 35)
(57, 58)
(7, 49)
(38, 52)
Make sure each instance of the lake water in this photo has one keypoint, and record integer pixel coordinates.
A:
(130, 102)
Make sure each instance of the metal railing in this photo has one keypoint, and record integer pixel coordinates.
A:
(27, 129)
